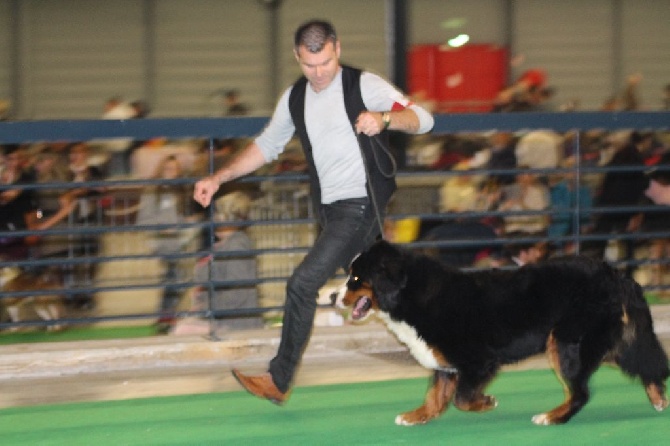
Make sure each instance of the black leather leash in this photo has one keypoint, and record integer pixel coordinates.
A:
(375, 141)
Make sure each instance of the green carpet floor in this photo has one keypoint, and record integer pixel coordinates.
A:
(348, 414)
(77, 334)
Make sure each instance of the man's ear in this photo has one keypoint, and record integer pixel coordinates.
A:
(338, 49)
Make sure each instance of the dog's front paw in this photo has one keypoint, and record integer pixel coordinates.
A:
(418, 416)
(543, 419)
(661, 405)
(403, 420)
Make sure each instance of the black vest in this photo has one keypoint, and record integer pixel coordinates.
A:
(375, 160)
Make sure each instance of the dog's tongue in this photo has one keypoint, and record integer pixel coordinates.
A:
(362, 306)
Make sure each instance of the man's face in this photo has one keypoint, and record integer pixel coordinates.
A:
(658, 193)
(319, 68)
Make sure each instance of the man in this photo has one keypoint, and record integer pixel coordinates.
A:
(330, 108)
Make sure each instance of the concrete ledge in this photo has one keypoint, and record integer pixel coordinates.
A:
(73, 358)
(240, 349)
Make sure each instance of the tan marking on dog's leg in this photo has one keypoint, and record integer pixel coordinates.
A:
(657, 397)
(557, 413)
(481, 403)
(476, 401)
(554, 362)
(553, 416)
(441, 360)
(437, 399)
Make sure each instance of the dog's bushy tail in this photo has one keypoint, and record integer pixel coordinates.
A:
(640, 354)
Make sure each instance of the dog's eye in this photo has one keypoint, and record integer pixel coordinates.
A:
(354, 283)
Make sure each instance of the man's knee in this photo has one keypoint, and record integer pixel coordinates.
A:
(299, 287)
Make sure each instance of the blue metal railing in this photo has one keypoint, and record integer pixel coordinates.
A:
(142, 129)
(84, 130)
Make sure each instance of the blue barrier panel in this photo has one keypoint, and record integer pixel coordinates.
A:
(83, 130)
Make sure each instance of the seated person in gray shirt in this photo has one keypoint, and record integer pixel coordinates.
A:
(233, 207)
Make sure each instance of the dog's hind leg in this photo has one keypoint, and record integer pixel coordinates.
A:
(553, 416)
(574, 363)
(437, 399)
(656, 394)
(640, 354)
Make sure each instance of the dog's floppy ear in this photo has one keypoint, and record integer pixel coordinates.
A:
(388, 281)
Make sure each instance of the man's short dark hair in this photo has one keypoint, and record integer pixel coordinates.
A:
(314, 35)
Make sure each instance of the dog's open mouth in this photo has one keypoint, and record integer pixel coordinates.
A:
(361, 307)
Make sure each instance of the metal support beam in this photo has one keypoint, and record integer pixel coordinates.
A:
(397, 38)
(15, 62)
(617, 45)
(149, 50)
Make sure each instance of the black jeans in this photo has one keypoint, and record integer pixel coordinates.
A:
(349, 226)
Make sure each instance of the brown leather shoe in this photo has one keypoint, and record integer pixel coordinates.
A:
(262, 386)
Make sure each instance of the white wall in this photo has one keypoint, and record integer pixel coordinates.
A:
(436, 21)
(204, 47)
(76, 53)
(5, 50)
(572, 41)
(646, 47)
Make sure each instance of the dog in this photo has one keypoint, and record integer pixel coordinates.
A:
(48, 306)
(465, 325)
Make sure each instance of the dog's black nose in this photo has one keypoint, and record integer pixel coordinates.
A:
(333, 298)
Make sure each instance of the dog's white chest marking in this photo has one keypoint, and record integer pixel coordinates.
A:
(416, 345)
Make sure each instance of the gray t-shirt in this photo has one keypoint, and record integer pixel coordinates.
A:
(337, 157)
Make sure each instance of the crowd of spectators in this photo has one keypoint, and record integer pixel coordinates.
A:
(60, 203)
(524, 181)
(527, 182)
(41, 194)
(528, 186)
